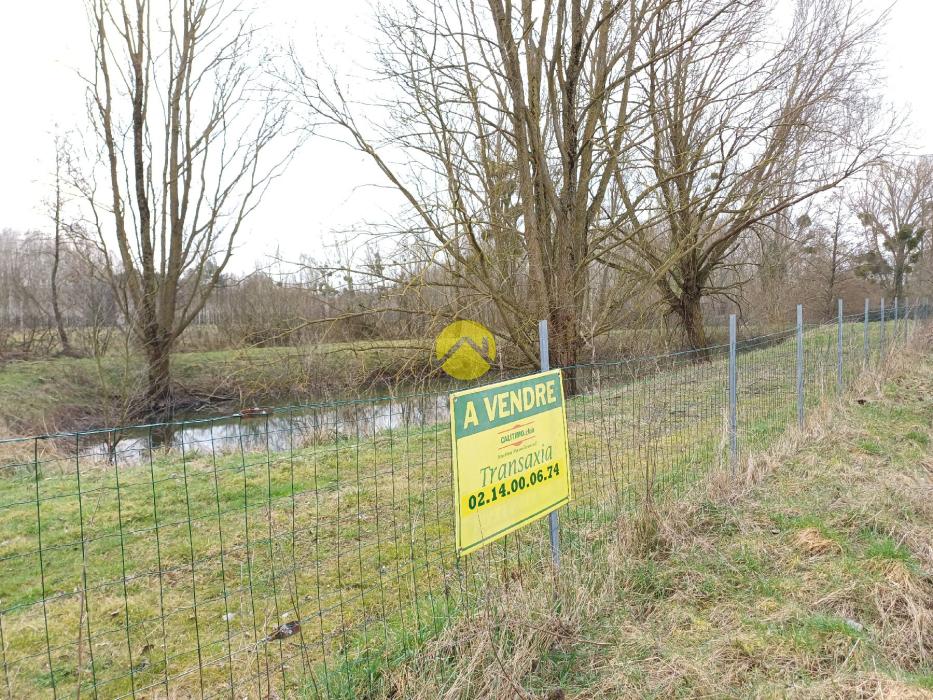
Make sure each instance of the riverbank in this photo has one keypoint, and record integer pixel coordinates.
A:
(66, 394)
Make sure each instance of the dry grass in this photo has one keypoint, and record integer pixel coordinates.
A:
(810, 576)
(358, 529)
(812, 542)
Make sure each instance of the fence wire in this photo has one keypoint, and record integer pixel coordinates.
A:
(302, 551)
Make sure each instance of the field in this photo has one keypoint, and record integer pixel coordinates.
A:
(224, 565)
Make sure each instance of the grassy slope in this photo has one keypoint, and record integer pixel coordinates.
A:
(348, 526)
(815, 582)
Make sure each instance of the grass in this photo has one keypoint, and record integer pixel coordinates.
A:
(47, 395)
(41, 396)
(171, 570)
(812, 577)
(63, 393)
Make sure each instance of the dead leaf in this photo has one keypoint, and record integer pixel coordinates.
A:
(285, 630)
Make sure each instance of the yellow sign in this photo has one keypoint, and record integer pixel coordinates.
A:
(465, 349)
(510, 458)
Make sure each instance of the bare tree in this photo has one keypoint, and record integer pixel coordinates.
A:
(892, 205)
(740, 131)
(57, 206)
(774, 254)
(823, 256)
(24, 318)
(511, 120)
(186, 131)
(838, 257)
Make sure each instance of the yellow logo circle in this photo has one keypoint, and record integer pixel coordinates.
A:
(465, 349)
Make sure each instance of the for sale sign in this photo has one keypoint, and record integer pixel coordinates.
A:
(510, 458)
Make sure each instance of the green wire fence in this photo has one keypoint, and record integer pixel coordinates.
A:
(302, 551)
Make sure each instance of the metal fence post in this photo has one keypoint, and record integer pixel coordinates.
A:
(553, 521)
(894, 334)
(865, 341)
(733, 397)
(839, 347)
(800, 364)
(881, 342)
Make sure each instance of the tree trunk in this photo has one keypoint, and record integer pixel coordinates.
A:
(899, 279)
(565, 344)
(833, 269)
(56, 309)
(691, 316)
(566, 309)
(57, 253)
(159, 401)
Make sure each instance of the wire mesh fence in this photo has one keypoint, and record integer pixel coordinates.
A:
(299, 552)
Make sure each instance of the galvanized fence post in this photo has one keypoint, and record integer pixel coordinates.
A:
(733, 397)
(881, 342)
(553, 521)
(865, 341)
(839, 347)
(800, 364)
(906, 315)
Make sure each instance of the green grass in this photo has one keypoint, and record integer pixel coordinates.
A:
(192, 560)
(814, 582)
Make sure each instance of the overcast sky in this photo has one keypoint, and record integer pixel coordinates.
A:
(44, 42)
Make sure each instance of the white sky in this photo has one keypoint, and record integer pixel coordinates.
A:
(328, 186)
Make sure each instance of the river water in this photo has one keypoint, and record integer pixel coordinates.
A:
(275, 430)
